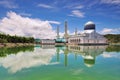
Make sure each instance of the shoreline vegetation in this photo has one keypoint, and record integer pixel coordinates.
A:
(15, 41)
(113, 38)
(8, 45)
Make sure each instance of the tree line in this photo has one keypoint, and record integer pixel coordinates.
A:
(113, 38)
(15, 39)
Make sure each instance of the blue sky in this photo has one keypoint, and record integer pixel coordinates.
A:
(104, 13)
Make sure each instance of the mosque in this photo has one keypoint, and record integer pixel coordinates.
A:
(88, 36)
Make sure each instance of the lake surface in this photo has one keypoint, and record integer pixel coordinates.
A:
(47, 62)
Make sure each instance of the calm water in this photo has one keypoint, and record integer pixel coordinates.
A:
(47, 62)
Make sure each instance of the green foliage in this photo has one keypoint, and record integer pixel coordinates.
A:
(14, 50)
(113, 48)
(15, 39)
(3, 41)
(113, 38)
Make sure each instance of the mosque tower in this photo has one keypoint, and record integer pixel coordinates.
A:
(66, 29)
(76, 32)
(58, 36)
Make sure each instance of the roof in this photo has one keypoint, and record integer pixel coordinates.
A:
(89, 26)
(89, 22)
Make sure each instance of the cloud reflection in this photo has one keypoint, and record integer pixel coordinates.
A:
(23, 60)
(111, 55)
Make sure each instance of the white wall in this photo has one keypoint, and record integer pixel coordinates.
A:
(90, 38)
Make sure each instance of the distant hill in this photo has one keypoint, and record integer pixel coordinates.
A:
(113, 38)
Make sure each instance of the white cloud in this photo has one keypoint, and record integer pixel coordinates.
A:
(8, 4)
(111, 1)
(74, 6)
(77, 13)
(111, 55)
(106, 30)
(15, 24)
(54, 22)
(45, 6)
(110, 31)
(61, 34)
(79, 7)
(25, 14)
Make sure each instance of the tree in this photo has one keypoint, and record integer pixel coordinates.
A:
(113, 38)
(15, 39)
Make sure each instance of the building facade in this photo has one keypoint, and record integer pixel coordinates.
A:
(48, 41)
(89, 36)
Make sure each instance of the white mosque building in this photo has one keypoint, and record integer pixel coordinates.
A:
(89, 36)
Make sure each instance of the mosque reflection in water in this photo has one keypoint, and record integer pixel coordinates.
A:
(18, 58)
(89, 53)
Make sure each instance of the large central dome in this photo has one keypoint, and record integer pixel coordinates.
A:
(89, 26)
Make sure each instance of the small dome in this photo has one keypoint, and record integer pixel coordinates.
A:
(89, 25)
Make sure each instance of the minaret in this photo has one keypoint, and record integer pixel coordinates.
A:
(58, 54)
(66, 28)
(66, 56)
(75, 31)
(58, 36)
